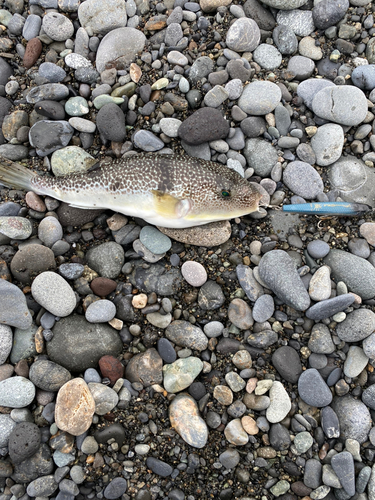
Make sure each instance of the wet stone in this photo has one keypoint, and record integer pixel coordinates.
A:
(81, 350)
(287, 362)
(24, 441)
(280, 403)
(278, 272)
(48, 376)
(187, 335)
(313, 390)
(210, 296)
(159, 467)
(75, 407)
(184, 417)
(146, 368)
(235, 433)
(181, 374)
(235, 382)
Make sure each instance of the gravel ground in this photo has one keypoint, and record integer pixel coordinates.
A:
(232, 360)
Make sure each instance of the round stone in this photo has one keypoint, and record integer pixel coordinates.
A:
(313, 390)
(105, 398)
(115, 489)
(185, 334)
(243, 35)
(16, 392)
(327, 144)
(194, 273)
(280, 403)
(343, 104)
(267, 56)
(75, 407)
(48, 376)
(24, 441)
(259, 98)
(53, 293)
(229, 458)
(223, 394)
(81, 350)
(181, 374)
(155, 241)
(106, 259)
(184, 417)
(318, 249)
(235, 433)
(358, 325)
(303, 180)
(303, 442)
(57, 26)
(239, 313)
(354, 418)
(100, 311)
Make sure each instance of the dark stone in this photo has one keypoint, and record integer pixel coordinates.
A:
(330, 423)
(75, 344)
(210, 296)
(261, 16)
(313, 390)
(48, 376)
(114, 431)
(156, 279)
(354, 417)
(166, 350)
(328, 12)
(40, 464)
(279, 437)
(71, 216)
(146, 368)
(124, 308)
(343, 465)
(24, 442)
(287, 362)
(116, 488)
(51, 109)
(110, 121)
(5, 71)
(206, 124)
(30, 261)
(159, 467)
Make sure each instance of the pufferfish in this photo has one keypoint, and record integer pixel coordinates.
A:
(164, 190)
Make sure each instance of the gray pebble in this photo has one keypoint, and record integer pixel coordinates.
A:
(313, 390)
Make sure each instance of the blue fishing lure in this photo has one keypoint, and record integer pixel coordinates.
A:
(335, 208)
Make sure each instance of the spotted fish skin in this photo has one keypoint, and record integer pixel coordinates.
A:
(169, 191)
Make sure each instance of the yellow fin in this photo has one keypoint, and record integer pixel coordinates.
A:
(170, 206)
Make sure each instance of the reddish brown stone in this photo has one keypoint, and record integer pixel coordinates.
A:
(156, 23)
(32, 52)
(111, 368)
(103, 286)
(22, 368)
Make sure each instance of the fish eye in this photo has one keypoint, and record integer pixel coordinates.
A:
(225, 194)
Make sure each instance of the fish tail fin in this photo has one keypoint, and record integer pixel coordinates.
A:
(15, 176)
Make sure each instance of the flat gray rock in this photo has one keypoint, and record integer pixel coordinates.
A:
(313, 390)
(358, 325)
(308, 88)
(16, 392)
(119, 48)
(284, 4)
(353, 180)
(260, 155)
(329, 307)
(78, 344)
(278, 271)
(327, 144)
(344, 104)
(102, 16)
(13, 307)
(357, 273)
(259, 98)
(354, 417)
(243, 35)
(185, 334)
(303, 180)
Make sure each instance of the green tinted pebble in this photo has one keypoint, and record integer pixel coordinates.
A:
(104, 99)
(65, 53)
(71, 160)
(160, 84)
(335, 55)
(76, 106)
(5, 17)
(128, 89)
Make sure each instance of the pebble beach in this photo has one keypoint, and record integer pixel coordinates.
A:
(233, 360)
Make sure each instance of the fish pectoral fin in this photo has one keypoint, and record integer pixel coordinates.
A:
(170, 206)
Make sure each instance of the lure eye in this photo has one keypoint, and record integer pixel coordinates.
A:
(225, 194)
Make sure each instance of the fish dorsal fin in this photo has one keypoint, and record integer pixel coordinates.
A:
(170, 206)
